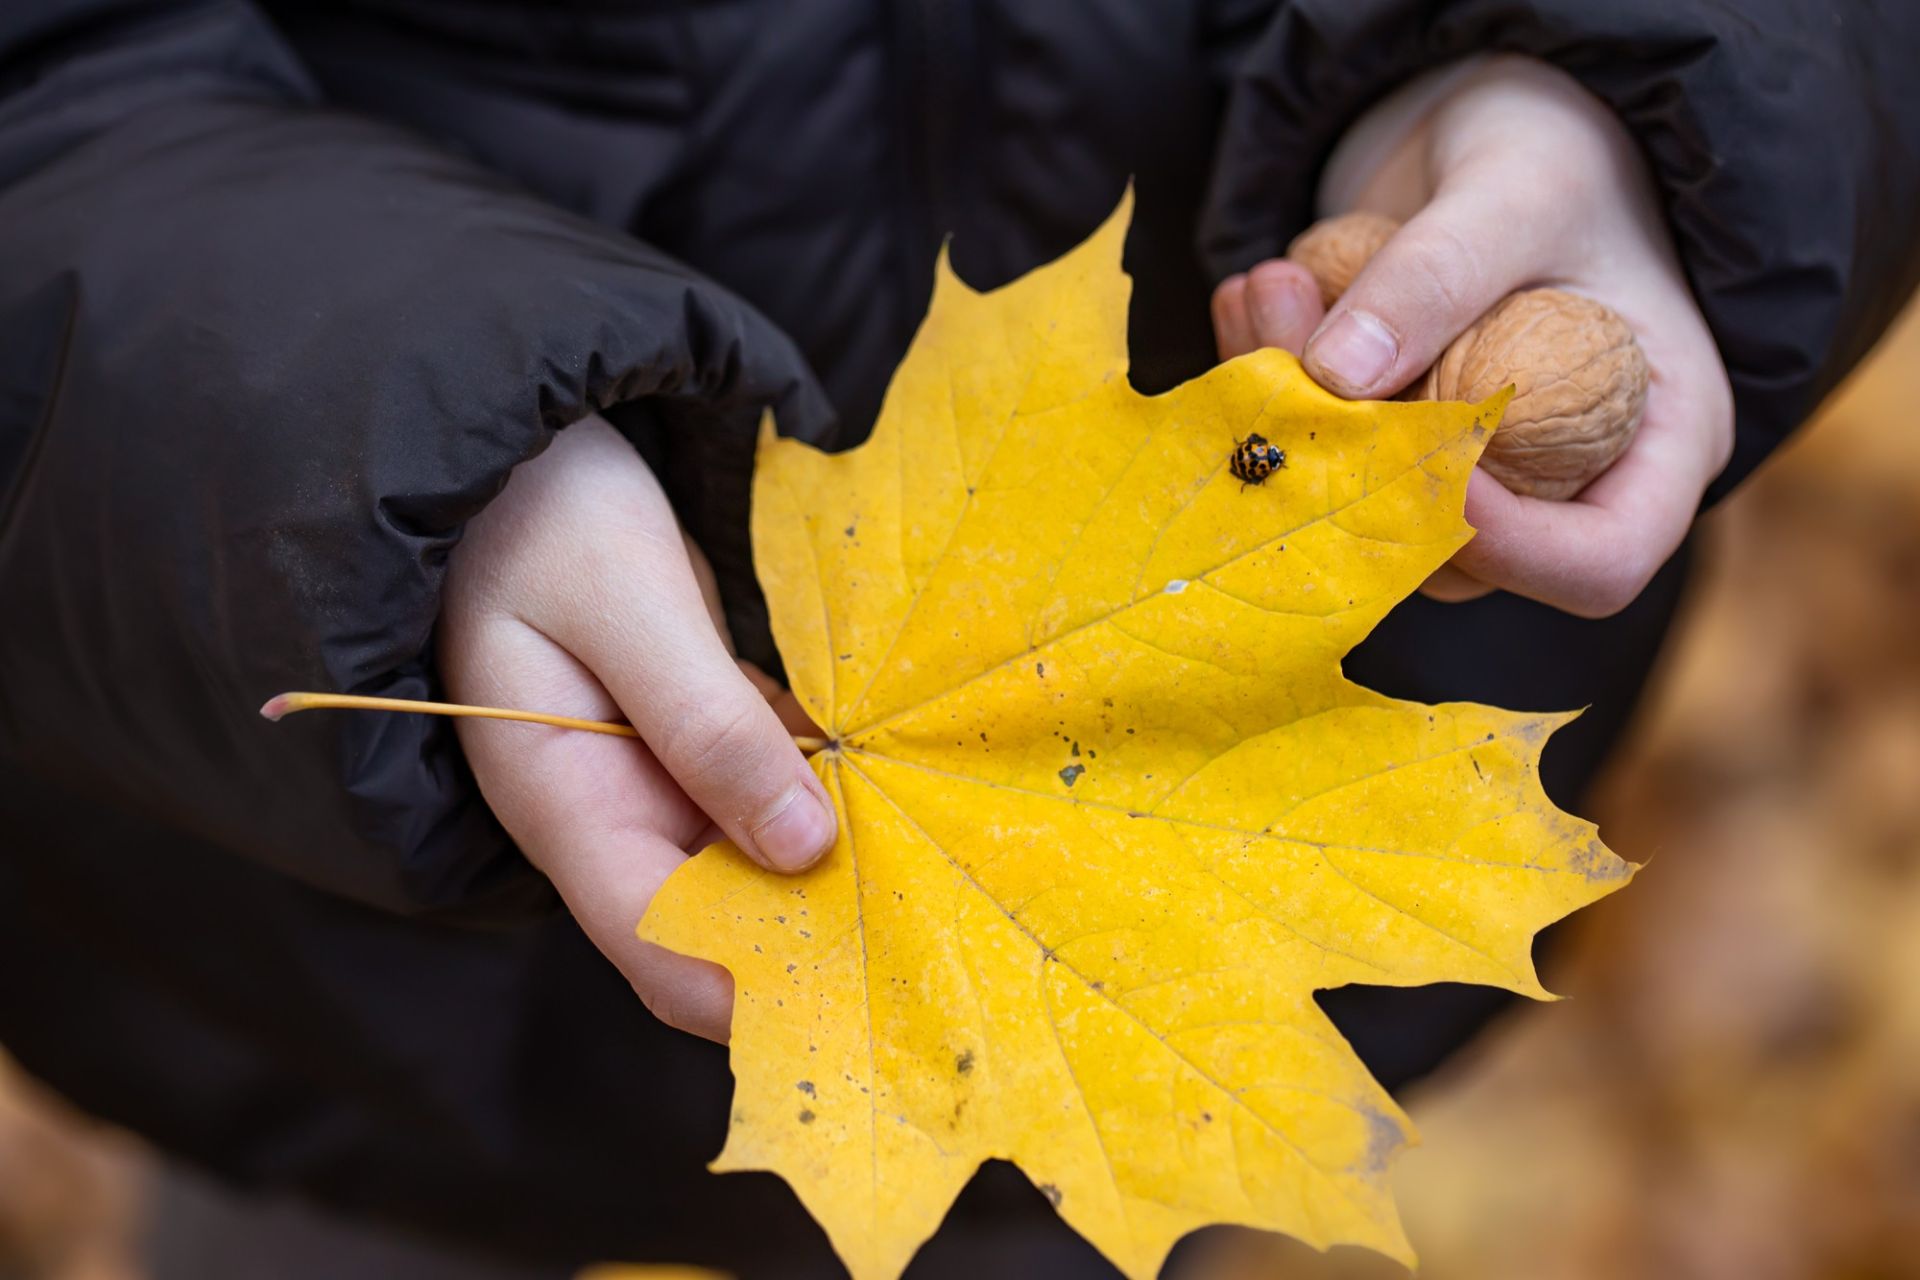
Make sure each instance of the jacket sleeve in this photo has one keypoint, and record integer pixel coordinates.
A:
(259, 362)
(1785, 135)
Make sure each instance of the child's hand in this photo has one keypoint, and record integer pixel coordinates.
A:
(1514, 177)
(574, 592)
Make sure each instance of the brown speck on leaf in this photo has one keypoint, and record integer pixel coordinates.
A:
(792, 967)
(781, 919)
(1076, 749)
(1071, 774)
(964, 1063)
(806, 1117)
(806, 1087)
(1040, 669)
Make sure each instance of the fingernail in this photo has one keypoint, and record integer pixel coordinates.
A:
(799, 831)
(1277, 313)
(1353, 354)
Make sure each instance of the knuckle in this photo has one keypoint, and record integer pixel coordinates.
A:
(661, 1003)
(1447, 269)
(696, 1001)
(1615, 586)
(717, 746)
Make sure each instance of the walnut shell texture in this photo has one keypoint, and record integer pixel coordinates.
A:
(1580, 384)
(1334, 249)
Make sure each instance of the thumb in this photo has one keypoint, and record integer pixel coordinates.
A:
(616, 589)
(1461, 254)
(712, 729)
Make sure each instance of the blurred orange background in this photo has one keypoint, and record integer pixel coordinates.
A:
(1734, 1088)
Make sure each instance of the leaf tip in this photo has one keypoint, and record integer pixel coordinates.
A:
(1494, 407)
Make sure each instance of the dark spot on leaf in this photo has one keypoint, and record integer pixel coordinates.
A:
(1206, 1117)
(964, 1063)
(792, 967)
(806, 1117)
(1052, 1193)
(1597, 865)
(1076, 749)
(806, 1087)
(1040, 669)
(1071, 774)
(805, 934)
(756, 949)
(849, 531)
(1384, 1137)
(781, 919)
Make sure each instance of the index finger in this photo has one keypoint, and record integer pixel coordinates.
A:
(1592, 555)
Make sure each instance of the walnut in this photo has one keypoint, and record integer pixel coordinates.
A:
(1580, 385)
(1334, 249)
(1579, 377)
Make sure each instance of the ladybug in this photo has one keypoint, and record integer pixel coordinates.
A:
(1254, 460)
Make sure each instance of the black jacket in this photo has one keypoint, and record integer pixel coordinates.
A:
(287, 289)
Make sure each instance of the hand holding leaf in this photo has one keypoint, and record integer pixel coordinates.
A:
(1110, 814)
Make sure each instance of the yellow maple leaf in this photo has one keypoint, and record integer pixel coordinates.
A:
(1110, 813)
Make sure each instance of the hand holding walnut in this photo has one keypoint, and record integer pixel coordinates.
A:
(1513, 181)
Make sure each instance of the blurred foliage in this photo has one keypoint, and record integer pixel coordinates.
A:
(1732, 1091)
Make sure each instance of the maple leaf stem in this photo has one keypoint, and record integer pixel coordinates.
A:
(287, 703)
